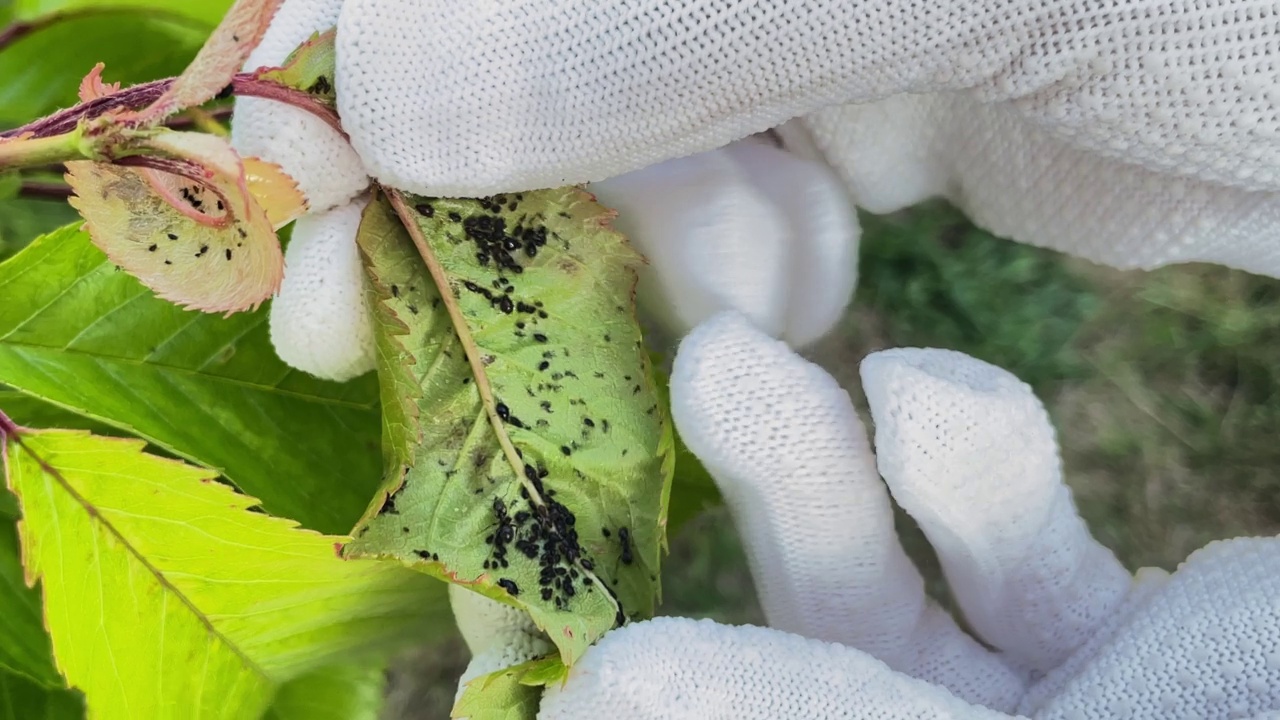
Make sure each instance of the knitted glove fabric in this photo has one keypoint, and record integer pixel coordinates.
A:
(967, 450)
(687, 217)
(1136, 133)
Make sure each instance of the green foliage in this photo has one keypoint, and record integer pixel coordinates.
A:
(509, 694)
(937, 280)
(522, 418)
(250, 600)
(353, 691)
(24, 646)
(22, 699)
(77, 332)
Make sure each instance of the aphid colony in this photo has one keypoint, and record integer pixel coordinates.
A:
(536, 525)
(546, 532)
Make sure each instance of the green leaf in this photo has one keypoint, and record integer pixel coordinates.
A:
(521, 413)
(23, 219)
(24, 644)
(209, 604)
(334, 692)
(41, 70)
(205, 12)
(310, 68)
(21, 699)
(499, 695)
(78, 333)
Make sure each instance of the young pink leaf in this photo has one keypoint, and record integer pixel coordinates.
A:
(215, 65)
(92, 87)
(187, 224)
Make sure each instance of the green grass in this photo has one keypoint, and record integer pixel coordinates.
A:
(1164, 387)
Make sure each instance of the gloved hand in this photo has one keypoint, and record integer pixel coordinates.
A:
(1135, 133)
(968, 451)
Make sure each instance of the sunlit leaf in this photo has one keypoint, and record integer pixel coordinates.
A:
(210, 605)
(529, 456)
(79, 333)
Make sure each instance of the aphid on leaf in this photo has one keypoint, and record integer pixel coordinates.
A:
(128, 211)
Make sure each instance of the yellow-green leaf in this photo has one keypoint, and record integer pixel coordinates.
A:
(167, 597)
(529, 457)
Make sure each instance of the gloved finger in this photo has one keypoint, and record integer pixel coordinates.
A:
(1205, 643)
(791, 459)
(968, 451)
(320, 320)
(322, 162)
(511, 95)
(676, 668)
(499, 636)
(1023, 182)
(486, 623)
(749, 228)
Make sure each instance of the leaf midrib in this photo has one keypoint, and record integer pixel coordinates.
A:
(95, 515)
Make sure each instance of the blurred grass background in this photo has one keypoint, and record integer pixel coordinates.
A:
(1164, 387)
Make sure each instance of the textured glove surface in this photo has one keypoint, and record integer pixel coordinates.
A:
(966, 449)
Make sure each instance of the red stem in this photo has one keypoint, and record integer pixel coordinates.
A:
(140, 96)
(44, 190)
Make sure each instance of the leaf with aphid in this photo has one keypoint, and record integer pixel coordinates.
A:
(529, 457)
(193, 232)
(308, 68)
(219, 59)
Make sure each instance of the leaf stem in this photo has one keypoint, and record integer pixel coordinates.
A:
(464, 336)
(44, 190)
(140, 96)
(7, 427)
(24, 152)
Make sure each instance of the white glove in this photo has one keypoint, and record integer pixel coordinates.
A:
(968, 451)
(1135, 133)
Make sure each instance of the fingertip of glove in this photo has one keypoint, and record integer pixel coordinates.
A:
(320, 320)
(908, 388)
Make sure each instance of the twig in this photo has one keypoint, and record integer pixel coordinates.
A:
(44, 190)
(140, 96)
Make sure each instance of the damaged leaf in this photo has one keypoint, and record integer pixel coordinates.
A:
(194, 233)
(528, 455)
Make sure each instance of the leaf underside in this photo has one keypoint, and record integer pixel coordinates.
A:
(208, 604)
(529, 457)
(200, 242)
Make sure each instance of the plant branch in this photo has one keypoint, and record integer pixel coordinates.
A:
(140, 96)
(44, 190)
(25, 152)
